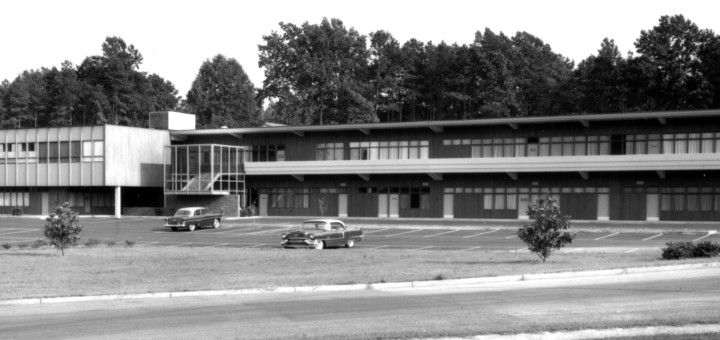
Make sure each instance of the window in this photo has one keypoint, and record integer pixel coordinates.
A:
(385, 150)
(330, 152)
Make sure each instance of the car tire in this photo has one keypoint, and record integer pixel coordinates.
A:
(319, 245)
(350, 244)
(173, 228)
(216, 223)
(191, 227)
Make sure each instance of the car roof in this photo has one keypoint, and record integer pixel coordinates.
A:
(191, 208)
(324, 220)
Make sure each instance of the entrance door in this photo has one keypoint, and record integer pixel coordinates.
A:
(383, 205)
(45, 204)
(523, 205)
(394, 205)
(87, 204)
(263, 205)
(653, 207)
(448, 206)
(342, 205)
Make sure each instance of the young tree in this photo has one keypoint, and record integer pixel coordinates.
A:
(223, 95)
(550, 230)
(63, 227)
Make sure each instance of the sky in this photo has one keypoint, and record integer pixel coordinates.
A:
(176, 37)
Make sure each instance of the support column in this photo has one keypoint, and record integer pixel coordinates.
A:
(118, 203)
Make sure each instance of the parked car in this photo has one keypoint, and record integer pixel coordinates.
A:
(322, 233)
(192, 218)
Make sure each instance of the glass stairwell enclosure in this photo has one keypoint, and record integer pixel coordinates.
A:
(204, 169)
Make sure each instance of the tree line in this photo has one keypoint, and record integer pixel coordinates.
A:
(327, 73)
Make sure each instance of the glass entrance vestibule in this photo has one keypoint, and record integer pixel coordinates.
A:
(204, 169)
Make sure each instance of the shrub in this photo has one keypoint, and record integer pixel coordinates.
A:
(687, 250)
(17, 211)
(62, 228)
(7, 245)
(92, 242)
(129, 243)
(39, 243)
(706, 249)
(550, 230)
(22, 245)
(678, 250)
(110, 243)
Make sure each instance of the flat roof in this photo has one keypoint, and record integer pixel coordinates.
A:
(440, 124)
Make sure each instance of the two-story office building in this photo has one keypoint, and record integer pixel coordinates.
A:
(97, 169)
(628, 166)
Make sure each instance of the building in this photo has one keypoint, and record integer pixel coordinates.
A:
(628, 166)
(91, 167)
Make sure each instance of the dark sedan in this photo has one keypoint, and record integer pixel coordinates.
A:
(322, 233)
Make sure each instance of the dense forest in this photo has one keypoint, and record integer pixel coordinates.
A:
(328, 74)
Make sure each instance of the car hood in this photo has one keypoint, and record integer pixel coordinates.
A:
(175, 219)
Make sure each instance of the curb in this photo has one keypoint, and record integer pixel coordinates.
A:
(368, 286)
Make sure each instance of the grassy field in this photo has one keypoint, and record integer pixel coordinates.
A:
(27, 273)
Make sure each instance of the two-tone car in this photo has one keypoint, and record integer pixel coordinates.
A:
(192, 218)
(322, 233)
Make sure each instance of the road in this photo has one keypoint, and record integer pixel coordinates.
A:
(263, 233)
(685, 297)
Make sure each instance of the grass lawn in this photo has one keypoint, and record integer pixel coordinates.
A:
(28, 273)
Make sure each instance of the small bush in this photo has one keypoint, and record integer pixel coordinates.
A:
(22, 245)
(7, 245)
(92, 242)
(439, 277)
(706, 249)
(688, 250)
(62, 228)
(129, 243)
(17, 211)
(39, 243)
(110, 243)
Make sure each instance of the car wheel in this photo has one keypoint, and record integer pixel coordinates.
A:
(319, 245)
(173, 228)
(191, 227)
(216, 223)
(350, 243)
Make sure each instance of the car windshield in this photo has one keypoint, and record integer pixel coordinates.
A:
(316, 225)
(183, 212)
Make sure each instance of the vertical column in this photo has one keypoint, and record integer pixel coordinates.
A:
(118, 203)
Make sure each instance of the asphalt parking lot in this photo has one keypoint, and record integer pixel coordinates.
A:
(395, 234)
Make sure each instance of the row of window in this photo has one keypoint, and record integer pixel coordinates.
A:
(410, 197)
(14, 199)
(374, 150)
(679, 143)
(52, 152)
(288, 198)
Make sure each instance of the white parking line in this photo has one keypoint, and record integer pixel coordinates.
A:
(511, 236)
(700, 238)
(255, 245)
(483, 233)
(652, 237)
(3, 233)
(180, 244)
(443, 233)
(214, 245)
(471, 248)
(632, 250)
(235, 231)
(375, 247)
(606, 236)
(403, 233)
(422, 248)
(147, 244)
(374, 231)
(258, 232)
